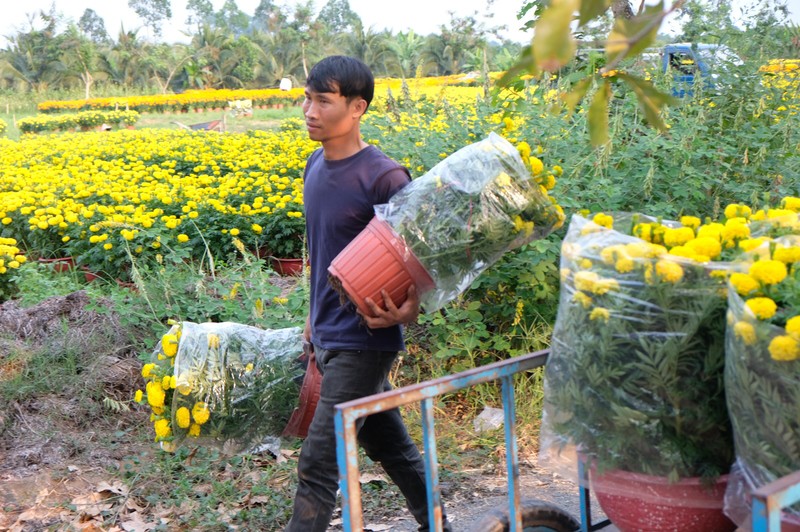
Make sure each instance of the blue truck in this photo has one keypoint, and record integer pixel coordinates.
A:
(693, 62)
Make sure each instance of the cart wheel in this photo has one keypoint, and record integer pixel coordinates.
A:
(537, 516)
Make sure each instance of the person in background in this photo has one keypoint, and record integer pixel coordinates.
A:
(343, 181)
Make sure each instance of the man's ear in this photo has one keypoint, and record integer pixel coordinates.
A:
(360, 107)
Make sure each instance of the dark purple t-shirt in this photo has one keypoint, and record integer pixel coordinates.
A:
(339, 198)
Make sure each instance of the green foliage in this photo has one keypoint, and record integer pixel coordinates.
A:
(3, 127)
(283, 233)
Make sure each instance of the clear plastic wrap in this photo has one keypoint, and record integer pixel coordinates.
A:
(464, 213)
(634, 381)
(762, 374)
(225, 385)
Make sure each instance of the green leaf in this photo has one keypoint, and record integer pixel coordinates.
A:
(631, 36)
(650, 99)
(591, 9)
(553, 44)
(577, 94)
(524, 64)
(598, 115)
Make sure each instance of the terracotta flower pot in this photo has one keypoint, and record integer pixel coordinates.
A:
(59, 264)
(378, 259)
(284, 266)
(301, 417)
(635, 502)
(89, 275)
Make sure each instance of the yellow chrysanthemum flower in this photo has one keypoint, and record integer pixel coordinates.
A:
(784, 349)
(762, 308)
(745, 332)
(183, 417)
(744, 284)
(768, 272)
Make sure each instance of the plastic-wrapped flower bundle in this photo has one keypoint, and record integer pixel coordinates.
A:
(462, 215)
(222, 384)
(635, 377)
(762, 370)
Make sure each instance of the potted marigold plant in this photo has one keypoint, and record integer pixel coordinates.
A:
(282, 239)
(222, 384)
(634, 382)
(449, 225)
(762, 371)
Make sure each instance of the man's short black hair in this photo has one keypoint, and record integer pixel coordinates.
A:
(352, 76)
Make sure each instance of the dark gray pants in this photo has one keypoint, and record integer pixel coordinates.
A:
(351, 375)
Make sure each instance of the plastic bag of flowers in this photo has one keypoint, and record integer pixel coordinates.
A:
(462, 215)
(225, 385)
(762, 372)
(634, 381)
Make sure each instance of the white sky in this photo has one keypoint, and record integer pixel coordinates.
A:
(423, 16)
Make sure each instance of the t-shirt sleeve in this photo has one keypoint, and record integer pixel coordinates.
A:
(389, 183)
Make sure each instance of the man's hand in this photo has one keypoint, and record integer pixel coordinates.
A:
(406, 313)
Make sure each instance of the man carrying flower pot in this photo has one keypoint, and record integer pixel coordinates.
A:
(343, 181)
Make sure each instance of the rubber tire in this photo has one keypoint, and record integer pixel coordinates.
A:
(535, 513)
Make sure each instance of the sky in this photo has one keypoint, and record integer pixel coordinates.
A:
(422, 16)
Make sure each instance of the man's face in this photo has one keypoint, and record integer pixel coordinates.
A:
(329, 115)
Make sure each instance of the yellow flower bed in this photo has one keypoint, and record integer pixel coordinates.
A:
(102, 195)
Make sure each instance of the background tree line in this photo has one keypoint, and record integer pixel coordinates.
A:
(231, 49)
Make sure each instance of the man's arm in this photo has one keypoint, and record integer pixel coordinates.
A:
(408, 312)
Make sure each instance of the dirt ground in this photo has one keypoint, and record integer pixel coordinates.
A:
(57, 460)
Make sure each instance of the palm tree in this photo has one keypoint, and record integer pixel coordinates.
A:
(369, 46)
(404, 54)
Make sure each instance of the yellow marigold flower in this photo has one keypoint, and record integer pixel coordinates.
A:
(257, 229)
(787, 255)
(183, 417)
(557, 170)
(169, 344)
(750, 244)
(194, 430)
(624, 265)
(710, 230)
(669, 271)
(691, 221)
(762, 307)
(537, 167)
(643, 231)
(582, 298)
(585, 280)
(235, 231)
(585, 264)
(182, 238)
(137, 397)
(603, 286)
(784, 349)
(735, 230)
(524, 150)
(707, 246)
(791, 203)
(610, 254)
(745, 332)
(768, 272)
(735, 210)
(683, 251)
(793, 325)
(677, 236)
(213, 341)
(200, 413)
(604, 220)
(744, 284)
(147, 370)
(249, 367)
(600, 313)
(162, 428)
(173, 382)
(155, 394)
(165, 382)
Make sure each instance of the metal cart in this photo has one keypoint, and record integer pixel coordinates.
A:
(521, 514)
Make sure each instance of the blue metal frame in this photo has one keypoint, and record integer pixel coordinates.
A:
(769, 500)
(346, 415)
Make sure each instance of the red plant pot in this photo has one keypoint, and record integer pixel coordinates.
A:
(302, 415)
(287, 266)
(378, 259)
(59, 264)
(89, 275)
(637, 502)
